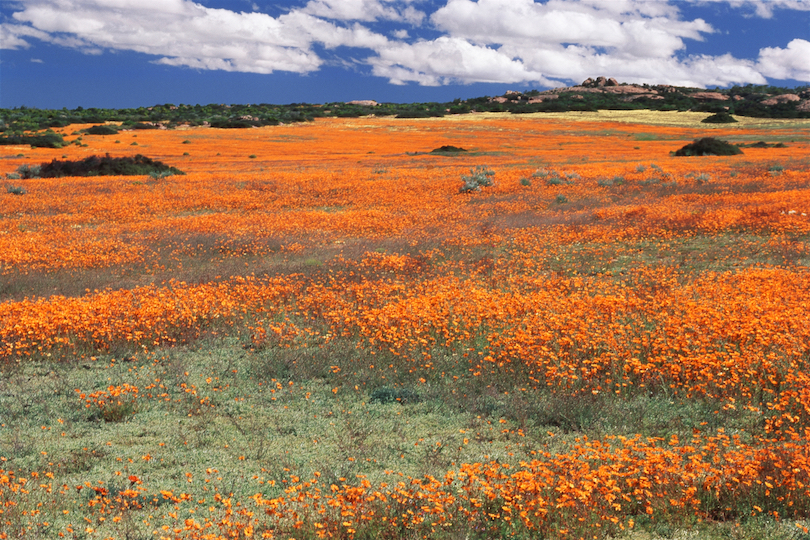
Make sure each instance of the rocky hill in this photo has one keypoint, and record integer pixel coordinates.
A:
(608, 93)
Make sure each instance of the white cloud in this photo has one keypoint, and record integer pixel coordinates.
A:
(524, 22)
(37, 61)
(551, 42)
(363, 10)
(790, 63)
(12, 36)
(183, 33)
(762, 8)
(448, 59)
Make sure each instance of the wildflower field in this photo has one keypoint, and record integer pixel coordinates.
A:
(329, 330)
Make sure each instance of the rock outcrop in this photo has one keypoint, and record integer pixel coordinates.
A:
(783, 98)
(709, 96)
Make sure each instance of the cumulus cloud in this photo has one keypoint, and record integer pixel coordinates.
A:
(550, 43)
(364, 10)
(762, 8)
(183, 33)
(13, 36)
(446, 60)
(792, 62)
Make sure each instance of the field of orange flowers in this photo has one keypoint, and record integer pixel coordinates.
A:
(621, 336)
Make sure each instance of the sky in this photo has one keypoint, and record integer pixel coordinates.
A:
(136, 53)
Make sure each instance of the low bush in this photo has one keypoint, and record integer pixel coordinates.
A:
(448, 149)
(27, 171)
(719, 118)
(99, 166)
(478, 178)
(44, 140)
(101, 130)
(709, 146)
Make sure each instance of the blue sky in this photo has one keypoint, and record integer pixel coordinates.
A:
(132, 53)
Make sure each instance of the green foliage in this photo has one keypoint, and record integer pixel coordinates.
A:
(525, 182)
(719, 118)
(101, 130)
(27, 171)
(448, 149)
(776, 169)
(386, 394)
(102, 166)
(44, 140)
(709, 146)
(16, 190)
(479, 177)
(561, 199)
(748, 101)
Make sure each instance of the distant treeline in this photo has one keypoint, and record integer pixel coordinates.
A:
(742, 101)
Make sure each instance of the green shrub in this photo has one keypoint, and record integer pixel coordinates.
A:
(719, 118)
(45, 140)
(102, 166)
(525, 182)
(101, 130)
(703, 178)
(709, 146)
(448, 149)
(27, 171)
(479, 177)
(16, 190)
(561, 199)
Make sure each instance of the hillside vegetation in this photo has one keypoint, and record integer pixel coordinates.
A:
(591, 95)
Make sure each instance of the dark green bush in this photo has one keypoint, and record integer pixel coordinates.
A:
(719, 118)
(105, 166)
(448, 149)
(101, 130)
(233, 124)
(45, 140)
(709, 146)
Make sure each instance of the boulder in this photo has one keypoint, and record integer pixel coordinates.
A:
(784, 98)
(709, 96)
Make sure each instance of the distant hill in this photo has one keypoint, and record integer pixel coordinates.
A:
(604, 93)
(591, 95)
